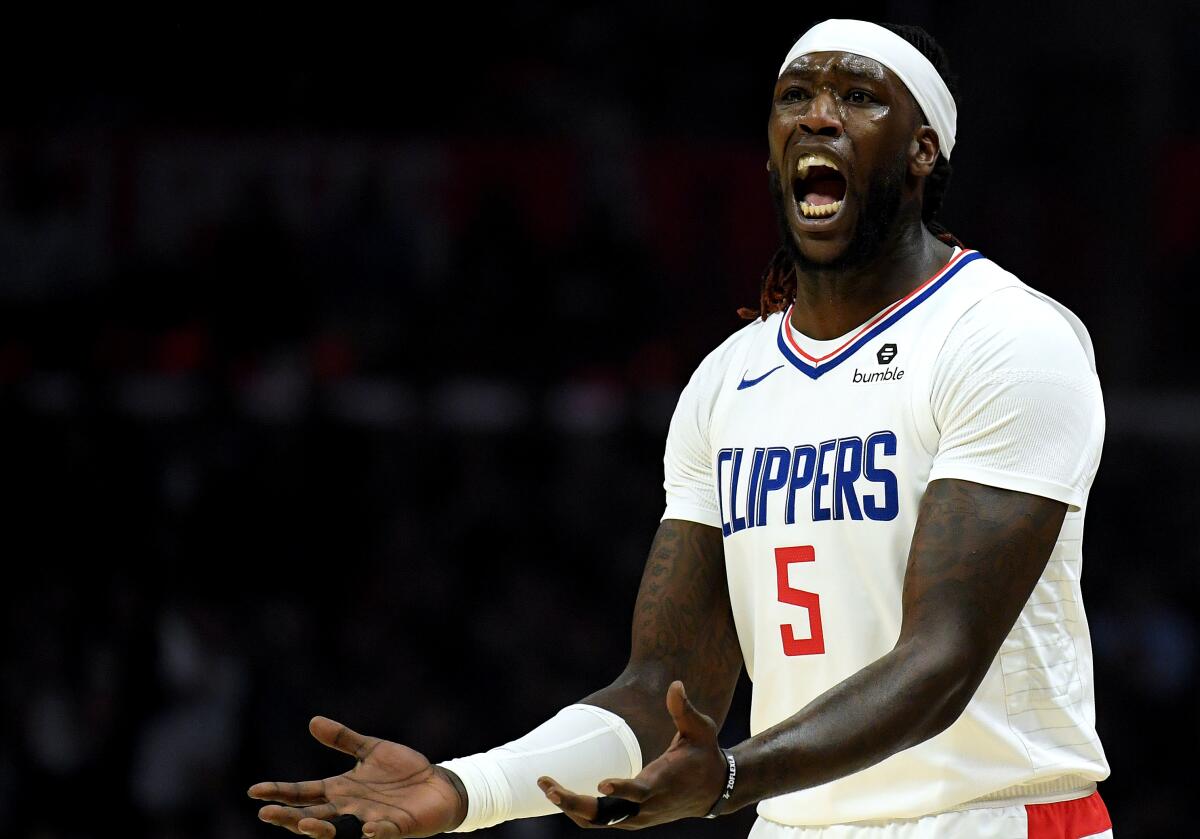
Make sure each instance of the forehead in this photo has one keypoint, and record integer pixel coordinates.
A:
(841, 63)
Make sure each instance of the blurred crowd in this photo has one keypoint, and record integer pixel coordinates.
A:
(346, 415)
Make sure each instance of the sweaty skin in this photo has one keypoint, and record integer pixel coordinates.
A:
(976, 553)
(856, 110)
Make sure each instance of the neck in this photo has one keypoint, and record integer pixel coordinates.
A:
(831, 302)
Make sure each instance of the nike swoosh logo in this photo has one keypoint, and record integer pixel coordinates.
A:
(745, 383)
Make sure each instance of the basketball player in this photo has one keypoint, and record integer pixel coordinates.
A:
(875, 499)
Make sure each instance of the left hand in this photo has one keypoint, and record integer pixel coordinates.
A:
(683, 782)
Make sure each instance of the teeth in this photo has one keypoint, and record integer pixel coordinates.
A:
(819, 210)
(807, 160)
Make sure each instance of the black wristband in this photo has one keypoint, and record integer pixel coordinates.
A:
(347, 827)
(723, 798)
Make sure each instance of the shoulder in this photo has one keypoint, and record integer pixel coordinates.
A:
(711, 371)
(699, 397)
(1015, 398)
(1013, 323)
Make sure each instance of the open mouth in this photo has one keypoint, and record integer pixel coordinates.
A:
(819, 187)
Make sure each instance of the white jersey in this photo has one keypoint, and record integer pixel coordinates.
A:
(812, 457)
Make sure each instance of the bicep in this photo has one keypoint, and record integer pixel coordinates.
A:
(682, 621)
(1021, 424)
(977, 552)
(682, 612)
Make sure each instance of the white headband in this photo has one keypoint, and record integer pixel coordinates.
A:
(893, 52)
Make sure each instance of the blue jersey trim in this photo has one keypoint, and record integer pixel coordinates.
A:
(816, 371)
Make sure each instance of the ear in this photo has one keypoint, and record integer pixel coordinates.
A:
(923, 151)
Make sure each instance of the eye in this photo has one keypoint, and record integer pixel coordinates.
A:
(859, 97)
(794, 94)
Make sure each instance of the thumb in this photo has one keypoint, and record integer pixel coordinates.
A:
(691, 723)
(337, 736)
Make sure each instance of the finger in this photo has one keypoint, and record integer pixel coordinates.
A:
(631, 788)
(337, 736)
(290, 817)
(286, 825)
(317, 828)
(690, 722)
(289, 792)
(381, 830)
(581, 808)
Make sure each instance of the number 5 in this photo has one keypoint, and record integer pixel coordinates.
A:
(815, 643)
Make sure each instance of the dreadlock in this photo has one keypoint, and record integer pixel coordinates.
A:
(779, 279)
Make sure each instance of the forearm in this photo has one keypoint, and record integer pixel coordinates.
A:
(577, 747)
(896, 702)
(581, 744)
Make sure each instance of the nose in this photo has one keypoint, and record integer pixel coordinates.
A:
(822, 116)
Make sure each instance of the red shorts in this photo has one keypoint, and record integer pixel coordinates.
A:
(1078, 818)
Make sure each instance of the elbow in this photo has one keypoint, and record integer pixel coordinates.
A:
(955, 701)
(650, 678)
(945, 677)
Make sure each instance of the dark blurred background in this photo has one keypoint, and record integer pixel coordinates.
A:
(337, 356)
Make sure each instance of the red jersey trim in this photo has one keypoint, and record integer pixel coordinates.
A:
(787, 316)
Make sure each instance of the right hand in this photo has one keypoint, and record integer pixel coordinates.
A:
(392, 789)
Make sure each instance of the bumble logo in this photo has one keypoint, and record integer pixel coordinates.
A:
(885, 355)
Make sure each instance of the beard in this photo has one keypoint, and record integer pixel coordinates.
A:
(880, 208)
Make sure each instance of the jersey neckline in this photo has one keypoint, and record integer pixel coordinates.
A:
(814, 366)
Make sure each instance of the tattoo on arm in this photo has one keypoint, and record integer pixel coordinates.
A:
(682, 629)
(977, 553)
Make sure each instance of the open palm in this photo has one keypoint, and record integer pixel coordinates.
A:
(392, 789)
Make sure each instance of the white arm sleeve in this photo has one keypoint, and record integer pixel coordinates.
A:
(579, 747)
(1017, 401)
